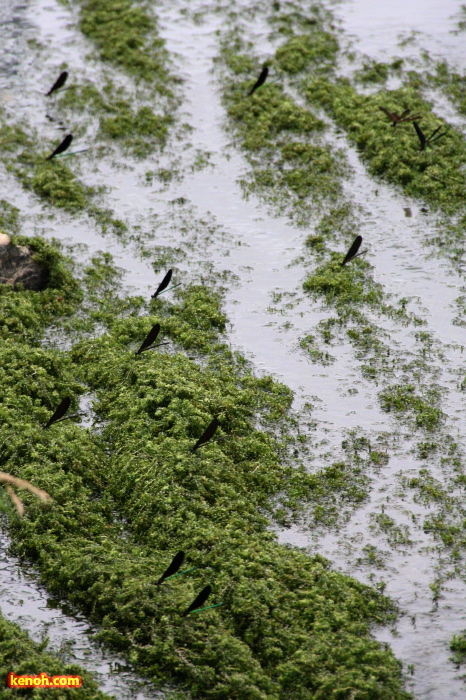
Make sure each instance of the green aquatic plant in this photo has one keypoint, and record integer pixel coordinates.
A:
(126, 35)
(435, 175)
(214, 503)
(21, 655)
(53, 182)
(458, 647)
(302, 52)
(405, 398)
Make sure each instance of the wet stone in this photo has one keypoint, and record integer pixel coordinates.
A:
(17, 266)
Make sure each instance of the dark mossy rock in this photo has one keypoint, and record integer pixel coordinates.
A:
(18, 267)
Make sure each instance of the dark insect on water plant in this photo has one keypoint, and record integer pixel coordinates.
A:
(260, 81)
(60, 81)
(59, 412)
(150, 339)
(428, 140)
(400, 118)
(207, 435)
(163, 284)
(198, 601)
(65, 144)
(353, 251)
(177, 561)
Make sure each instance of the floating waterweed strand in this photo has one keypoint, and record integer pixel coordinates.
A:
(163, 284)
(198, 601)
(427, 141)
(65, 144)
(61, 80)
(400, 118)
(150, 339)
(176, 562)
(60, 411)
(208, 433)
(260, 81)
(208, 608)
(73, 153)
(353, 251)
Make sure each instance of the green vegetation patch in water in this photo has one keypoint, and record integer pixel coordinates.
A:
(52, 181)
(20, 655)
(458, 647)
(289, 622)
(405, 398)
(435, 174)
(126, 35)
(281, 138)
(140, 129)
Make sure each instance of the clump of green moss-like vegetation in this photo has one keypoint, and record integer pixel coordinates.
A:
(52, 181)
(404, 398)
(212, 504)
(300, 52)
(458, 647)
(434, 174)
(126, 35)
(347, 287)
(20, 655)
(280, 138)
(141, 126)
(56, 183)
(9, 217)
(462, 21)
(376, 72)
(452, 83)
(140, 130)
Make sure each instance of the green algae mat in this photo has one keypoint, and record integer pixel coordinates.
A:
(289, 623)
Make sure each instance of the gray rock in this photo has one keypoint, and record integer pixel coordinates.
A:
(18, 267)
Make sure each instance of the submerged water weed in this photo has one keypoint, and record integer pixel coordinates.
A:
(140, 130)
(9, 218)
(212, 504)
(458, 647)
(408, 399)
(462, 20)
(300, 52)
(452, 83)
(435, 174)
(373, 72)
(52, 181)
(21, 655)
(348, 288)
(126, 35)
(396, 535)
(280, 137)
